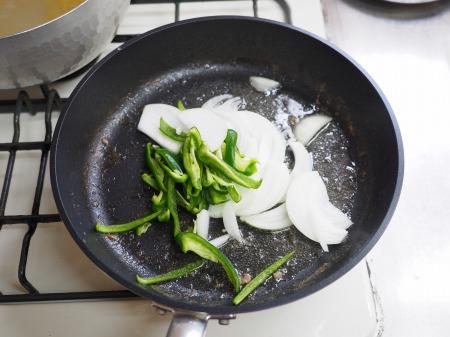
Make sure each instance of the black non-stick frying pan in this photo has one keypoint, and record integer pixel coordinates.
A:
(97, 156)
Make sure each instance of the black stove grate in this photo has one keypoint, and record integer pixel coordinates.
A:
(49, 104)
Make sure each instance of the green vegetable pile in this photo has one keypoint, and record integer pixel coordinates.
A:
(193, 180)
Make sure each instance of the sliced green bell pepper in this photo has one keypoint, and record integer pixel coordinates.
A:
(181, 201)
(245, 165)
(170, 131)
(261, 277)
(172, 206)
(207, 177)
(176, 175)
(150, 181)
(120, 228)
(211, 160)
(216, 197)
(180, 105)
(154, 167)
(171, 275)
(190, 162)
(198, 245)
(230, 147)
(143, 228)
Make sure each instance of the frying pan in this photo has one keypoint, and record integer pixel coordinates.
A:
(97, 157)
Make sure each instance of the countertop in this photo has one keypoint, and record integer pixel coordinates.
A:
(406, 49)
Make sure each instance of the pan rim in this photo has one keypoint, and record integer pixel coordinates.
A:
(167, 301)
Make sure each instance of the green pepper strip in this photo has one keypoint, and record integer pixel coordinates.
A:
(196, 244)
(176, 175)
(260, 278)
(208, 158)
(126, 226)
(245, 165)
(154, 167)
(157, 199)
(150, 181)
(172, 206)
(143, 228)
(195, 135)
(222, 181)
(180, 105)
(203, 203)
(181, 201)
(216, 197)
(207, 177)
(190, 162)
(234, 193)
(170, 131)
(171, 275)
(226, 186)
(230, 147)
(219, 188)
(170, 159)
(164, 216)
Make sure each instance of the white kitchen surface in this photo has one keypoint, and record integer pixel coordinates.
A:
(408, 54)
(329, 312)
(346, 308)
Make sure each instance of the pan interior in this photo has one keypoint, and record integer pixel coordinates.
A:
(116, 194)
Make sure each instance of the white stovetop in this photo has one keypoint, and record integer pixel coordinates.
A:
(346, 308)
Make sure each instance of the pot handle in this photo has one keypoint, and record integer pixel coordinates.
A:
(187, 325)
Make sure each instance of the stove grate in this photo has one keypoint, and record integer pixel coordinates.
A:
(49, 104)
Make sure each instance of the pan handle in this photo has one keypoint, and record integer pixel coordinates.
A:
(188, 325)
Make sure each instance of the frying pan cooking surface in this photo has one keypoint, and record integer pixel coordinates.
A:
(98, 156)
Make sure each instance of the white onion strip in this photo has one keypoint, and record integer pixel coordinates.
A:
(220, 241)
(212, 128)
(215, 101)
(275, 182)
(216, 211)
(273, 220)
(150, 120)
(310, 126)
(202, 223)
(230, 222)
(311, 212)
(302, 158)
(263, 84)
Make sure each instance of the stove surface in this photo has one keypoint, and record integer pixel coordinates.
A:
(349, 307)
(408, 55)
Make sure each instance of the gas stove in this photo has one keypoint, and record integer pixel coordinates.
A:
(58, 291)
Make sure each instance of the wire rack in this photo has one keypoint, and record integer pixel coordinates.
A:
(50, 103)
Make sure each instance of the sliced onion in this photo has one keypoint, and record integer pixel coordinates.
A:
(309, 126)
(271, 143)
(232, 104)
(230, 222)
(149, 124)
(230, 114)
(212, 128)
(257, 136)
(202, 223)
(274, 185)
(216, 211)
(274, 220)
(220, 241)
(263, 84)
(215, 101)
(303, 160)
(311, 212)
(339, 218)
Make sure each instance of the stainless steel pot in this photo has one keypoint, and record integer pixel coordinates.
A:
(59, 47)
